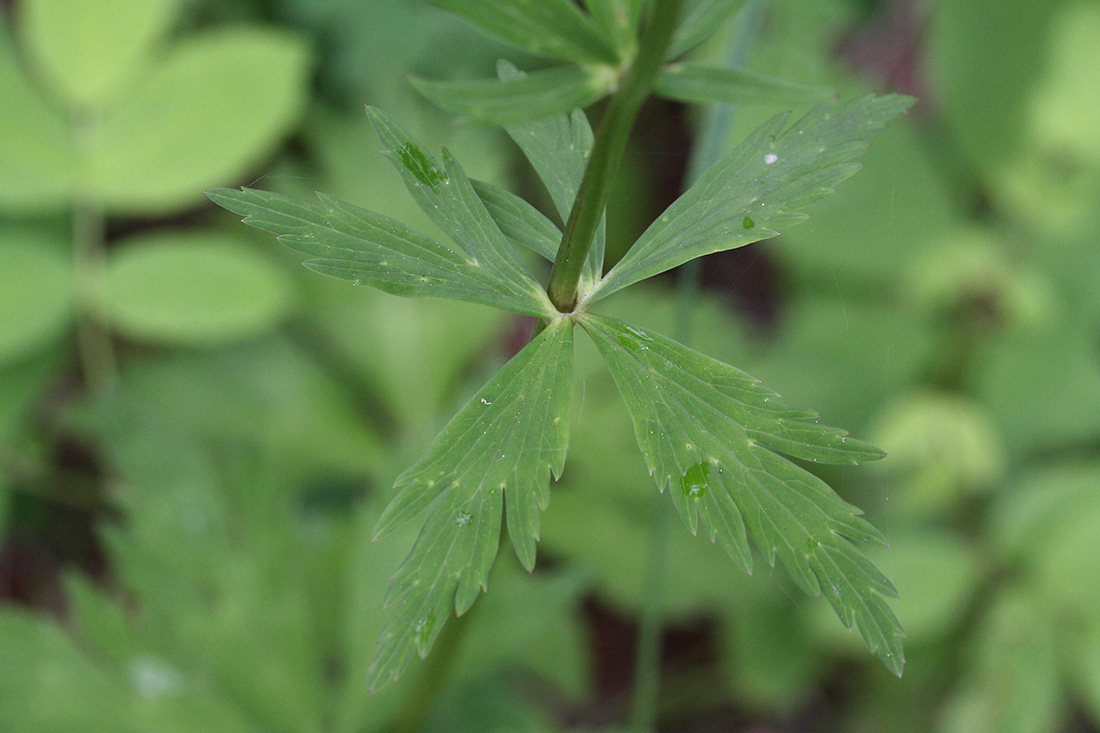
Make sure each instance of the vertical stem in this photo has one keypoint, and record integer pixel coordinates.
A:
(607, 153)
(94, 346)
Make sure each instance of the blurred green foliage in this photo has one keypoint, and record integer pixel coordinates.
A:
(944, 305)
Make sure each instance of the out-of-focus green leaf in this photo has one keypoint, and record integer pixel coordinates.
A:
(985, 56)
(1086, 669)
(216, 106)
(267, 396)
(504, 443)
(943, 450)
(1034, 410)
(88, 51)
(36, 294)
(1013, 685)
(697, 419)
(891, 239)
(558, 148)
(530, 623)
(771, 664)
(48, 684)
(36, 164)
(491, 703)
(702, 84)
(519, 98)
(40, 667)
(701, 19)
(1065, 111)
(1049, 524)
(554, 28)
(757, 188)
(194, 288)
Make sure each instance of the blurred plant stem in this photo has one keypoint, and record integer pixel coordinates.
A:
(94, 346)
(710, 144)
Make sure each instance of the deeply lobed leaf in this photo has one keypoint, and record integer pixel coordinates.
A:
(502, 446)
(714, 435)
(757, 188)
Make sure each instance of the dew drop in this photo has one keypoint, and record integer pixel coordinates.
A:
(748, 223)
(770, 158)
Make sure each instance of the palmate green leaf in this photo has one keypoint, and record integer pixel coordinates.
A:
(370, 249)
(700, 21)
(758, 187)
(522, 97)
(702, 84)
(714, 435)
(502, 446)
(554, 28)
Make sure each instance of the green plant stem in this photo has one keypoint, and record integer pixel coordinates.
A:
(94, 346)
(607, 153)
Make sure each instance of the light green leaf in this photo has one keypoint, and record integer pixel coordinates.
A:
(87, 51)
(448, 198)
(703, 84)
(370, 249)
(520, 222)
(194, 288)
(503, 445)
(36, 165)
(554, 28)
(36, 294)
(214, 109)
(522, 97)
(558, 148)
(700, 21)
(757, 188)
(713, 434)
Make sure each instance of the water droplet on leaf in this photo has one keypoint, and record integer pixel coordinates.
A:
(695, 481)
(748, 223)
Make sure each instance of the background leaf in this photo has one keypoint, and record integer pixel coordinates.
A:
(36, 294)
(213, 108)
(192, 288)
(88, 52)
(36, 165)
